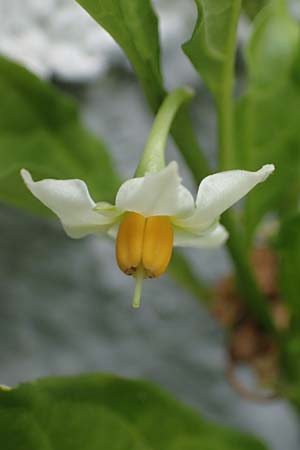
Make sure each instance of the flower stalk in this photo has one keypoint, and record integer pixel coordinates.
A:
(153, 158)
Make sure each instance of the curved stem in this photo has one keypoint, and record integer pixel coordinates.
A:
(153, 158)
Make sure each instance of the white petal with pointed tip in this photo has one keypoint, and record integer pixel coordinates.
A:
(219, 191)
(71, 202)
(212, 238)
(156, 194)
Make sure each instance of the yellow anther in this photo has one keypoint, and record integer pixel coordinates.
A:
(157, 245)
(145, 242)
(130, 242)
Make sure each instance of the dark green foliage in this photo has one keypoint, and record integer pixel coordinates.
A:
(40, 130)
(92, 412)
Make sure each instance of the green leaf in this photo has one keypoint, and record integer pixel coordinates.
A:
(92, 412)
(41, 131)
(134, 26)
(289, 251)
(273, 47)
(212, 47)
(212, 51)
(252, 7)
(267, 125)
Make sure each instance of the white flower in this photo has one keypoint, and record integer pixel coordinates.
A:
(152, 213)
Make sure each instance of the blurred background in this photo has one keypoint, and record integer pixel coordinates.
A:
(64, 306)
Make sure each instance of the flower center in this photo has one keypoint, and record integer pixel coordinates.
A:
(144, 244)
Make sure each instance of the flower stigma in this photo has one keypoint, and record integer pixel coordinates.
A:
(144, 248)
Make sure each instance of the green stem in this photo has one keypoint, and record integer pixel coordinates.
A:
(184, 136)
(153, 158)
(225, 115)
(290, 363)
(225, 98)
(246, 282)
(245, 278)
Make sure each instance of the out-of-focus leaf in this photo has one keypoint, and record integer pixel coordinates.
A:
(213, 41)
(134, 26)
(273, 47)
(289, 252)
(267, 115)
(41, 131)
(104, 412)
(252, 7)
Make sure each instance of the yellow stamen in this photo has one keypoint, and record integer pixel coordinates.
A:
(144, 247)
(130, 242)
(157, 245)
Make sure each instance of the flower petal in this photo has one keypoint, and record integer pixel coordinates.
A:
(212, 238)
(156, 194)
(71, 202)
(220, 191)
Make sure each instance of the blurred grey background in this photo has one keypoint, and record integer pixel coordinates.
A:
(64, 306)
